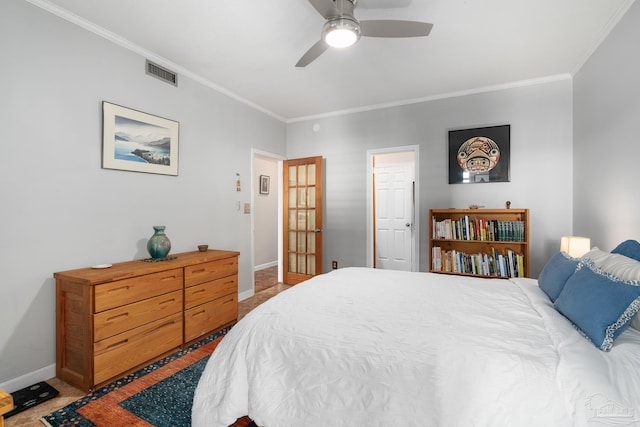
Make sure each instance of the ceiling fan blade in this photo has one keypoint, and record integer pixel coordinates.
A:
(326, 8)
(315, 51)
(392, 28)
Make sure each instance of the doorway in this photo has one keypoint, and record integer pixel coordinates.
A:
(266, 215)
(392, 208)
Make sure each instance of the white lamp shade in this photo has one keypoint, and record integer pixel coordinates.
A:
(575, 246)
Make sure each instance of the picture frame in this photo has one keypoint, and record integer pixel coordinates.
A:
(480, 155)
(138, 142)
(264, 184)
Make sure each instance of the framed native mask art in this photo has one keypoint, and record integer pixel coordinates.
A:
(479, 155)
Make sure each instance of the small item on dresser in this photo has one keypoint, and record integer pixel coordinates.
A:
(101, 266)
(203, 248)
(159, 244)
(508, 204)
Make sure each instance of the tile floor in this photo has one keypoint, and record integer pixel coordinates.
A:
(266, 285)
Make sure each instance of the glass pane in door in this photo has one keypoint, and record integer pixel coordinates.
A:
(302, 176)
(292, 176)
(312, 265)
(311, 242)
(311, 174)
(302, 197)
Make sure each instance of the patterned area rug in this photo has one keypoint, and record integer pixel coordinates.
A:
(157, 395)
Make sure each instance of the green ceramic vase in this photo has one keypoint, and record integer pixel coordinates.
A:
(159, 244)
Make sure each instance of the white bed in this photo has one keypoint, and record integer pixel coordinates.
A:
(367, 347)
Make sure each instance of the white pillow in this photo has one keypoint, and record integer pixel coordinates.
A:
(620, 266)
(617, 265)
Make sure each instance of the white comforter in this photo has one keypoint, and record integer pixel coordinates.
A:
(365, 347)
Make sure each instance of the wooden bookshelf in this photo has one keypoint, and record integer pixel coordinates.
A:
(480, 242)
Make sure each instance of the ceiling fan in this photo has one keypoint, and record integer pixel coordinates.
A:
(342, 29)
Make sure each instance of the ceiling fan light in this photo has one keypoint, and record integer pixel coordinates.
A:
(341, 32)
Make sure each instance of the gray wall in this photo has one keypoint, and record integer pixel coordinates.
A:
(540, 116)
(61, 211)
(606, 130)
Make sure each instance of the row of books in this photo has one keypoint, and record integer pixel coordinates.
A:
(478, 229)
(494, 264)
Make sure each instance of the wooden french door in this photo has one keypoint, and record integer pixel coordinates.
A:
(302, 219)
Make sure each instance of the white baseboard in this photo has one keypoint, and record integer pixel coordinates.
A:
(245, 295)
(266, 265)
(31, 378)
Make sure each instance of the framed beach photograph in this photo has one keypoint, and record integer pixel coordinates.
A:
(138, 142)
(479, 155)
(264, 184)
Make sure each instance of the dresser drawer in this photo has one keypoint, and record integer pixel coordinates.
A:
(210, 316)
(120, 353)
(208, 291)
(116, 294)
(208, 271)
(117, 320)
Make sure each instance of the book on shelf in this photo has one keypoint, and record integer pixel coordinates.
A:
(478, 229)
(492, 264)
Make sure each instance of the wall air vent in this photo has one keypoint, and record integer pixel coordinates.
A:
(161, 73)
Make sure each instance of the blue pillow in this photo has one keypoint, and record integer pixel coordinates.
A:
(600, 305)
(628, 248)
(555, 274)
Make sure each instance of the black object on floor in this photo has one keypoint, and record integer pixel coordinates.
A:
(31, 396)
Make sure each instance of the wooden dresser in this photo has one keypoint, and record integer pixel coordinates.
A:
(113, 320)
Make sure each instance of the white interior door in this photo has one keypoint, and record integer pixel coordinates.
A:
(393, 187)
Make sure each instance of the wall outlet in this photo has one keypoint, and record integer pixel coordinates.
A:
(334, 265)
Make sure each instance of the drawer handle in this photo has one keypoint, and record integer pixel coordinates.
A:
(229, 282)
(198, 271)
(167, 301)
(121, 288)
(117, 316)
(198, 313)
(169, 277)
(157, 328)
(228, 301)
(199, 291)
(117, 344)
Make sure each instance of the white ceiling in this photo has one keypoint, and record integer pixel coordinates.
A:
(248, 49)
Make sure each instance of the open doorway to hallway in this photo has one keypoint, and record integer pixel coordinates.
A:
(266, 218)
(265, 278)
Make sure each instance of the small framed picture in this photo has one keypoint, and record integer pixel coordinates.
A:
(264, 184)
(479, 155)
(139, 142)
